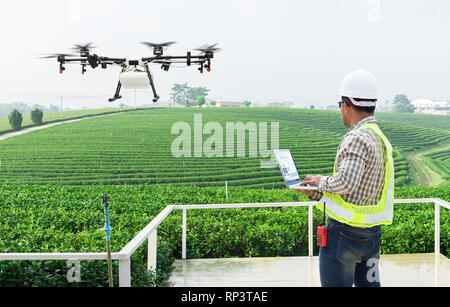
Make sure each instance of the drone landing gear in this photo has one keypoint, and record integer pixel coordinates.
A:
(116, 95)
(150, 77)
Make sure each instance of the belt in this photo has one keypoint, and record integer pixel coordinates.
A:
(333, 220)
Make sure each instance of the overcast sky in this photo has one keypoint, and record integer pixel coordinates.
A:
(283, 50)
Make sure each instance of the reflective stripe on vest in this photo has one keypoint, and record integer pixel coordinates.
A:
(365, 216)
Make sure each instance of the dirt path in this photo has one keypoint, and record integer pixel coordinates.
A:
(424, 174)
(423, 178)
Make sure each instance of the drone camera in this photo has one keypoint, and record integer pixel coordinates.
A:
(165, 67)
(209, 54)
(158, 50)
(93, 61)
(104, 65)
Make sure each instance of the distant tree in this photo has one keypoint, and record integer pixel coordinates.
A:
(21, 107)
(185, 95)
(312, 107)
(36, 116)
(201, 101)
(53, 108)
(195, 92)
(213, 103)
(402, 104)
(247, 103)
(15, 119)
(179, 94)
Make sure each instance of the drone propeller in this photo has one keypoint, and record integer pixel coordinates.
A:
(83, 49)
(152, 45)
(208, 48)
(208, 51)
(158, 48)
(55, 55)
(86, 47)
(60, 57)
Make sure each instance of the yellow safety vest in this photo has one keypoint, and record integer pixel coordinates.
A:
(365, 216)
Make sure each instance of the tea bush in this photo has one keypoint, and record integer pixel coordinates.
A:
(68, 218)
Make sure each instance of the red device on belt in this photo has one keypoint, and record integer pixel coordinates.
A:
(322, 236)
(322, 231)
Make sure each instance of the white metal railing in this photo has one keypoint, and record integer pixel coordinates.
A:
(150, 233)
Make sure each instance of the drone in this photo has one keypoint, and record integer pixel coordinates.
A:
(135, 73)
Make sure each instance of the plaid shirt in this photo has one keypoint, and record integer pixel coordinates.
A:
(359, 177)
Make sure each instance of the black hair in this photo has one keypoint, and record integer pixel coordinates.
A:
(369, 110)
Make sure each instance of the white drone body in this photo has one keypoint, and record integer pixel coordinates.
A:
(132, 77)
(134, 80)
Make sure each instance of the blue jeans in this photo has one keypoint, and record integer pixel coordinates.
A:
(350, 257)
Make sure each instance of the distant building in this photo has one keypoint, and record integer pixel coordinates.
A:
(277, 104)
(431, 107)
(229, 104)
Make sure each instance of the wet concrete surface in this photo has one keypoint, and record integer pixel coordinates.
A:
(410, 270)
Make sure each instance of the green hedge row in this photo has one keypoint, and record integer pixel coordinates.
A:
(68, 219)
(133, 147)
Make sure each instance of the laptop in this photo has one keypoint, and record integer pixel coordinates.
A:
(289, 171)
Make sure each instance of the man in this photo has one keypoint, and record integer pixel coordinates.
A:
(358, 197)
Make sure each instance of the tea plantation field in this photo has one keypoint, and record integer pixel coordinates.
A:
(439, 161)
(51, 182)
(438, 122)
(137, 147)
(53, 218)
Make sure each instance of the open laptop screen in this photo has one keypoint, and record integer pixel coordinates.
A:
(289, 171)
(287, 166)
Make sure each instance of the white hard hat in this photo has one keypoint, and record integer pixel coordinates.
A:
(360, 84)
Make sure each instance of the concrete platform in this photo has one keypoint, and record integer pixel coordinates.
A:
(410, 270)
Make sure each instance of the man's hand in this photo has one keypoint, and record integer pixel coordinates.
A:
(311, 180)
(307, 192)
